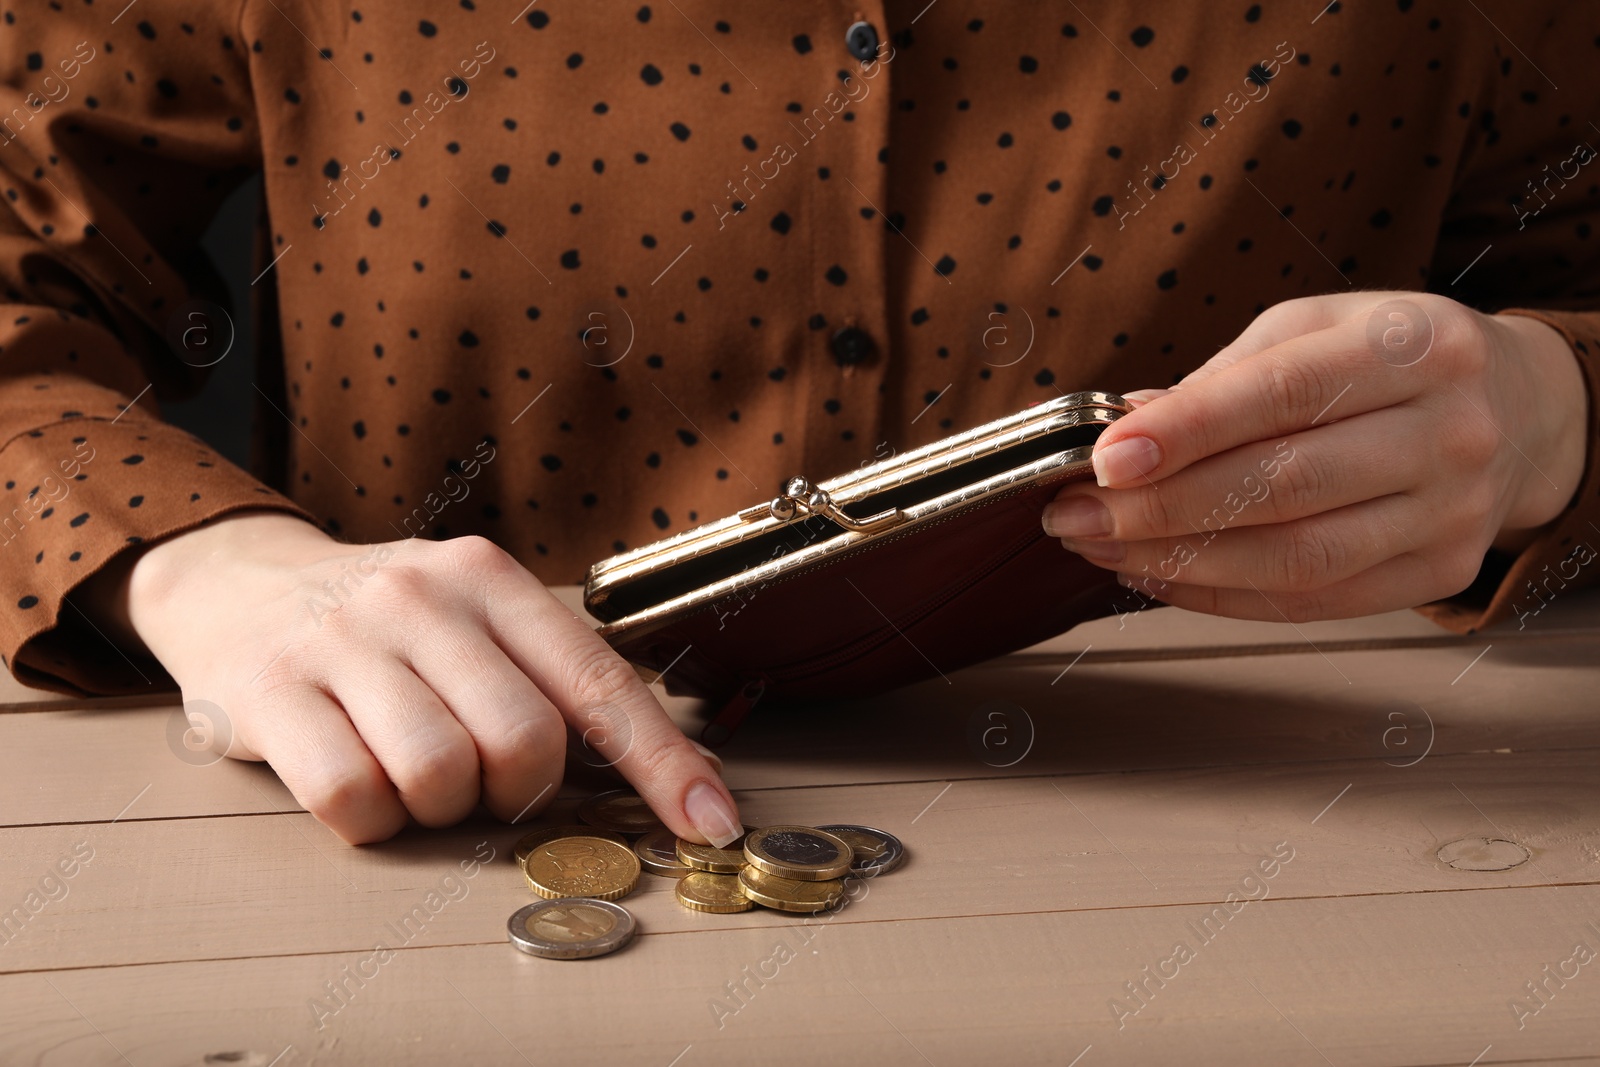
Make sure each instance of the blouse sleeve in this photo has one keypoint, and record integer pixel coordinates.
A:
(119, 138)
(1519, 236)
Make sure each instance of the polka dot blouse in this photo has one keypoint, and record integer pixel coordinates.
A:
(589, 275)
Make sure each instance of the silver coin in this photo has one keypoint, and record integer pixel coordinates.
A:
(795, 845)
(570, 929)
(876, 851)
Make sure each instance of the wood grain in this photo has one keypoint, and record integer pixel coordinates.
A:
(1381, 705)
(1413, 979)
(1101, 841)
(205, 914)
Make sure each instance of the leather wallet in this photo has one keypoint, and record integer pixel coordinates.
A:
(906, 569)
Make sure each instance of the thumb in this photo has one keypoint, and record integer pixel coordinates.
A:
(1140, 397)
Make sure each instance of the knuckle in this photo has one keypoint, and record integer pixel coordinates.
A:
(1460, 335)
(1470, 442)
(1299, 486)
(478, 555)
(598, 677)
(1293, 312)
(1301, 608)
(660, 760)
(528, 744)
(1147, 515)
(1457, 570)
(437, 770)
(1478, 502)
(1307, 558)
(1297, 387)
(341, 797)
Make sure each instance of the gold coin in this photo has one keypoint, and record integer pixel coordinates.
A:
(658, 854)
(620, 812)
(790, 894)
(801, 852)
(534, 838)
(595, 867)
(720, 893)
(711, 858)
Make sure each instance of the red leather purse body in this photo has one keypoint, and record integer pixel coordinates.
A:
(904, 570)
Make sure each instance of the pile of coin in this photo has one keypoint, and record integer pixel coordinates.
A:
(580, 870)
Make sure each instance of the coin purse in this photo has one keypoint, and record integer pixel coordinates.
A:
(906, 569)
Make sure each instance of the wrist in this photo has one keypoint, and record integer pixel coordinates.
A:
(185, 566)
(1551, 432)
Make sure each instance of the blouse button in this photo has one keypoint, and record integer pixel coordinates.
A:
(862, 41)
(852, 345)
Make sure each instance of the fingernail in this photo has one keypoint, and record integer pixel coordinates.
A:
(711, 815)
(1144, 396)
(1100, 551)
(1077, 516)
(1126, 460)
(1146, 584)
(716, 760)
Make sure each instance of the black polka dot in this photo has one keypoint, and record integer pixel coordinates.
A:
(27, 602)
(1142, 36)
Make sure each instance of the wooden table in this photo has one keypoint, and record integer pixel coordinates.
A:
(1074, 815)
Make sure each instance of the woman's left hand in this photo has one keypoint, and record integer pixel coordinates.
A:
(1346, 455)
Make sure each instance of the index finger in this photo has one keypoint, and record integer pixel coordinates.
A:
(1329, 374)
(601, 697)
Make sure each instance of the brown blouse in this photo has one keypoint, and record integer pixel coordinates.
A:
(582, 275)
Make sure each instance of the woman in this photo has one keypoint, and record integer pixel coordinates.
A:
(556, 284)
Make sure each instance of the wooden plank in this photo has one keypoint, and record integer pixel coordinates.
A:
(1390, 707)
(269, 884)
(1127, 635)
(1419, 979)
(94, 765)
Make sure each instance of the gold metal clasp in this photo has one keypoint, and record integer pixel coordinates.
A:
(800, 497)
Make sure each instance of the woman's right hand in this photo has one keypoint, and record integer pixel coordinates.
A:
(406, 679)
